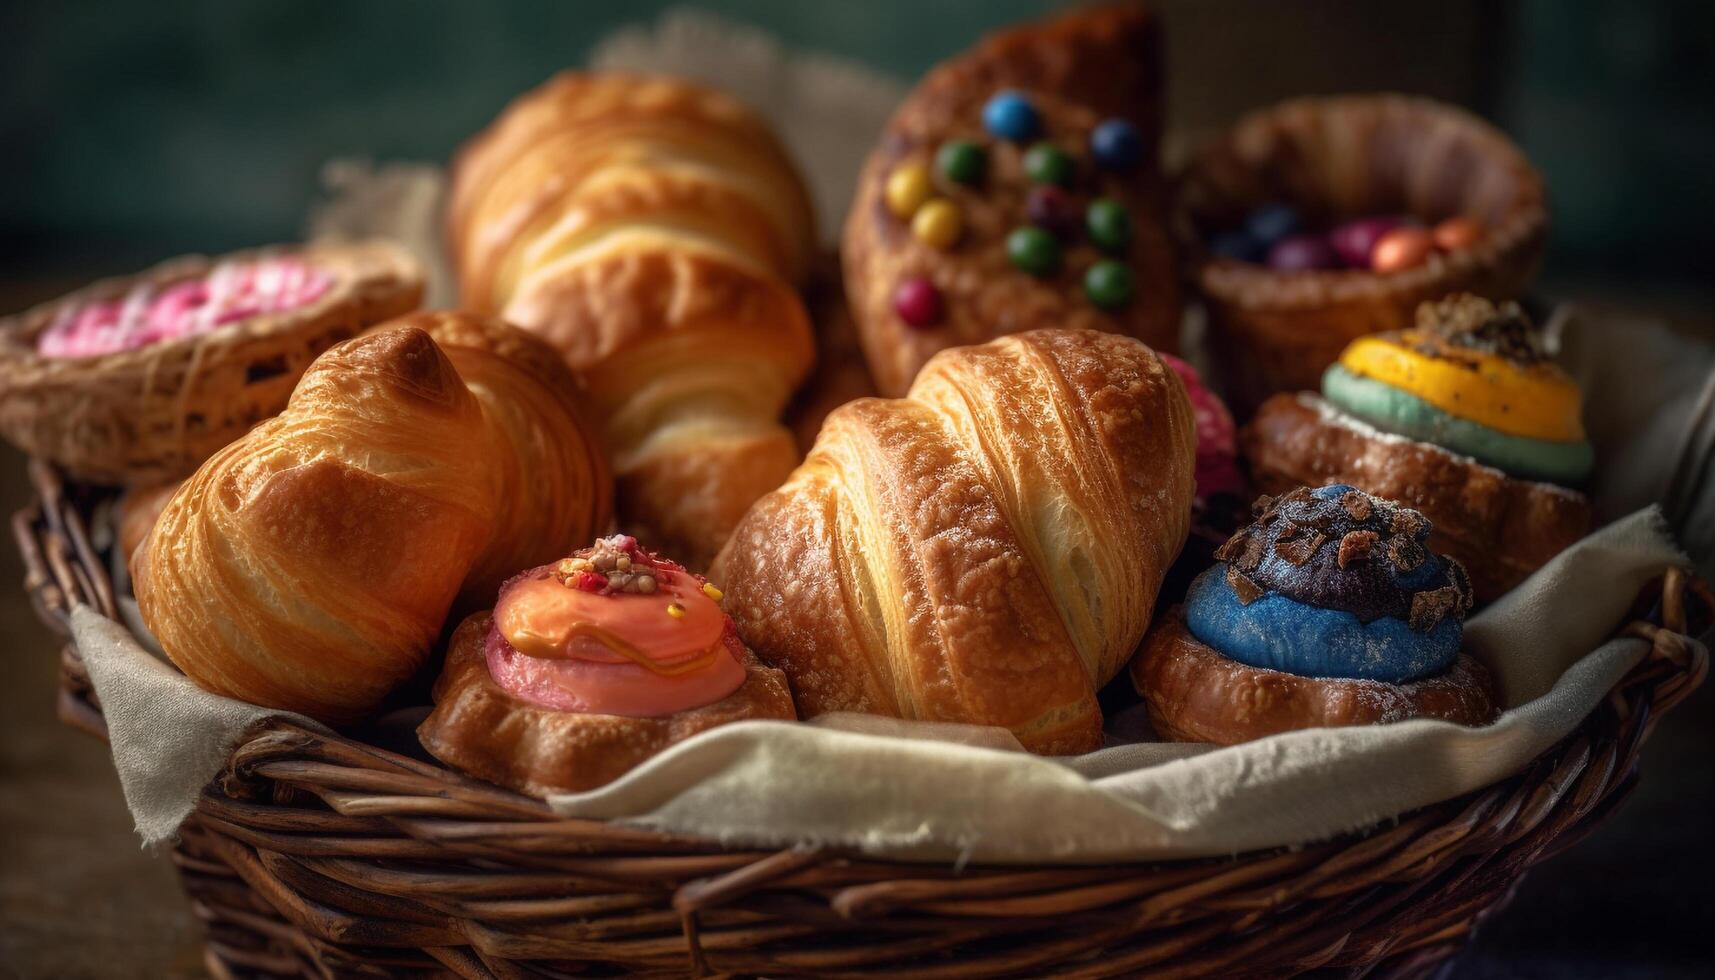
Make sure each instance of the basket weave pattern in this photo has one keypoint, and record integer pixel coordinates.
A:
(316, 855)
(153, 414)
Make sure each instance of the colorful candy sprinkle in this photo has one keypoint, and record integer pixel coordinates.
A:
(1051, 208)
(1034, 250)
(1355, 240)
(1045, 163)
(908, 186)
(961, 161)
(1116, 145)
(1010, 116)
(1272, 222)
(938, 223)
(917, 302)
(675, 610)
(1108, 224)
(1299, 253)
(712, 592)
(1236, 245)
(1108, 284)
(1457, 233)
(1401, 248)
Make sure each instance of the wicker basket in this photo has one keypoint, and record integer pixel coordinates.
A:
(153, 414)
(1338, 158)
(315, 855)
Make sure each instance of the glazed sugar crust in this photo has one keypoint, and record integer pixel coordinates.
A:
(985, 551)
(984, 295)
(1196, 695)
(479, 728)
(1500, 528)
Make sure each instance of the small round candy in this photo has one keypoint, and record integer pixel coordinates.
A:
(1355, 240)
(1045, 163)
(1457, 233)
(1010, 116)
(917, 302)
(961, 161)
(1108, 224)
(1272, 222)
(1108, 284)
(1034, 250)
(1051, 208)
(1298, 253)
(908, 187)
(938, 223)
(1236, 245)
(1401, 248)
(1116, 145)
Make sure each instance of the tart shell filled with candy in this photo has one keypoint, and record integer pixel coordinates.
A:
(1463, 417)
(1328, 610)
(138, 379)
(587, 667)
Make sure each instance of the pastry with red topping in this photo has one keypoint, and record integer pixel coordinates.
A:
(590, 665)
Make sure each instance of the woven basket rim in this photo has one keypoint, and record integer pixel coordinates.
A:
(1257, 288)
(364, 269)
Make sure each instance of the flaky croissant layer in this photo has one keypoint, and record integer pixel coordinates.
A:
(310, 564)
(986, 550)
(652, 231)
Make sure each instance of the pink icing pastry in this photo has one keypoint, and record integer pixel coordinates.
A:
(1217, 441)
(149, 314)
(584, 635)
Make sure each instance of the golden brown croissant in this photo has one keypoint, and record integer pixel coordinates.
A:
(651, 230)
(986, 550)
(310, 564)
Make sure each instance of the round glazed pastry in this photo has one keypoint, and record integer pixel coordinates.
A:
(590, 665)
(136, 380)
(1463, 417)
(1008, 194)
(1330, 609)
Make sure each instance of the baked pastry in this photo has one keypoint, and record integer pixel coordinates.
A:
(590, 665)
(1218, 473)
(1329, 610)
(986, 550)
(1017, 188)
(138, 379)
(139, 507)
(1464, 418)
(652, 231)
(310, 564)
(1361, 165)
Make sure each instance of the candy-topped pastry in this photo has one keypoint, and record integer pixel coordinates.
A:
(1330, 609)
(590, 665)
(1015, 189)
(136, 380)
(1320, 220)
(1463, 417)
(1217, 438)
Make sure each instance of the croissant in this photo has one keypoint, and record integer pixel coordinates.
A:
(986, 550)
(310, 564)
(652, 231)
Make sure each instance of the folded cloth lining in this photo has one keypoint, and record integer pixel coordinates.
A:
(941, 792)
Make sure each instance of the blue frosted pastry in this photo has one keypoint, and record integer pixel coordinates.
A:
(1329, 609)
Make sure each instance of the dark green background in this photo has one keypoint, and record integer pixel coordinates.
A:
(136, 130)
